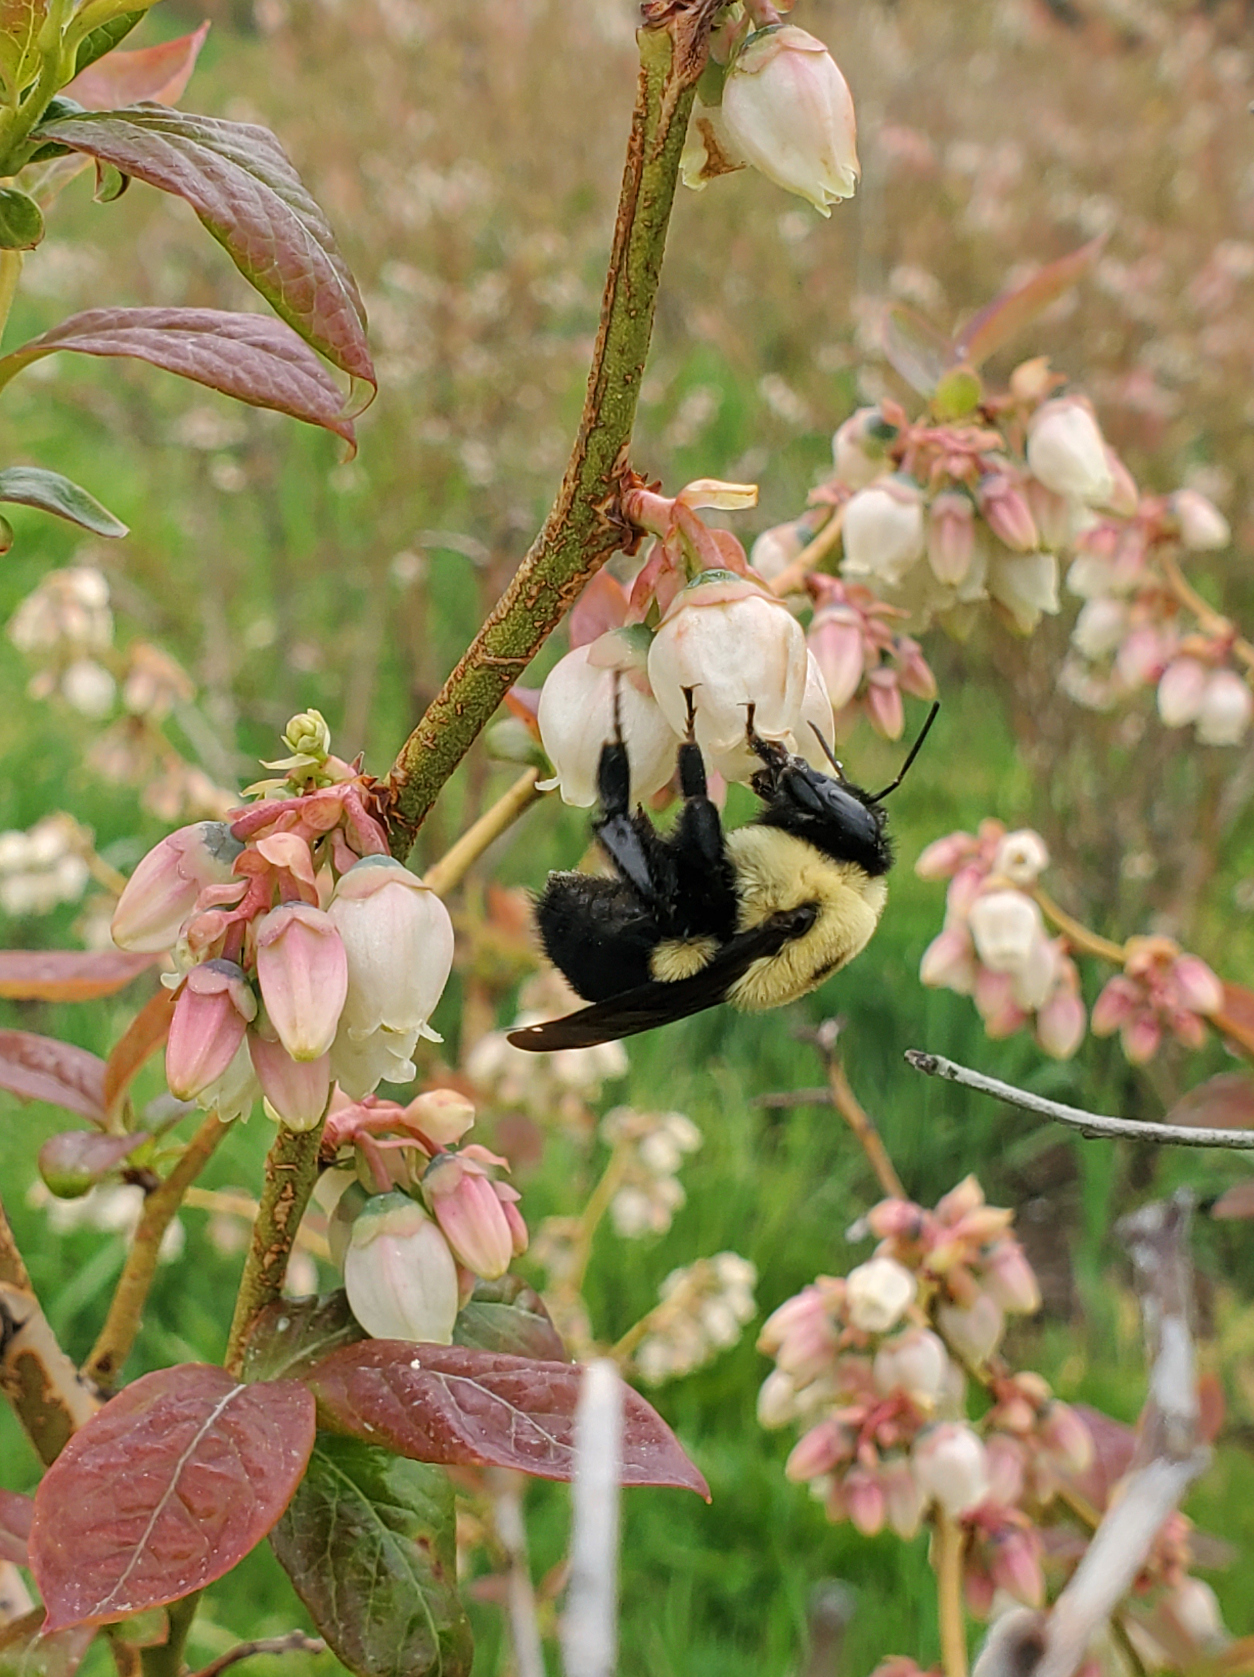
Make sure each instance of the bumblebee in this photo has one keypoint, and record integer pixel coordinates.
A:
(756, 917)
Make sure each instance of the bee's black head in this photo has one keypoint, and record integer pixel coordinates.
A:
(835, 816)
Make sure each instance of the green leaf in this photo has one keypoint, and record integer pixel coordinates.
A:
(35, 486)
(291, 1335)
(21, 220)
(20, 23)
(368, 1542)
(103, 40)
(507, 1315)
(111, 183)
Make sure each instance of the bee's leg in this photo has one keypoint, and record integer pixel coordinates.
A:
(773, 755)
(692, 782)
(628, 839)
(699, 830)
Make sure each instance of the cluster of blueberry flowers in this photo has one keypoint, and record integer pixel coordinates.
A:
(649, 1151)
(995, 948)
(874, 1367)
(303, 955)
(414, 1219)
(702, 1310)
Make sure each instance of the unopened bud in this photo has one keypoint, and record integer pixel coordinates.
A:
(879, 1293)
(399, 1273)
(952, 1467)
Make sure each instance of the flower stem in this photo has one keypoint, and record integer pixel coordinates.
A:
(1213, 622)
(453, 866)
(948, 1563)
(859, 1121)
(581, 530)
(1077, 935)
(291, 1171)
(122, 1323)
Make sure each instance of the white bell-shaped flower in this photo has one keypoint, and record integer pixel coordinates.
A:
(398, 938)
(576, 716)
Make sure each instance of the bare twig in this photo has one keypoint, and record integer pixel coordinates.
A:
(295, 1642)
(1092, 1125)
(506, 1490)
(852, 1110)
(452, 867)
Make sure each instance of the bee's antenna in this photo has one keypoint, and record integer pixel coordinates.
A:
(828, 752)
(618, 711)
(877, 797)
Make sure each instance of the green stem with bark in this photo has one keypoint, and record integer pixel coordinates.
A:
(291, 1171)
(583, 527)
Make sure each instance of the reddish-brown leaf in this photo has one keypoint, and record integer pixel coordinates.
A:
(41, 1068)
(249, 356)
(462, 1407)
(124, 78)
(1236, 1018)
(1236, 1204)
(146, 1033)
(28, 1650)
(999, 321)
(164, 1490)
(16, 1514)
(67, 975)
(918, 350)
(1224, 1102)
(241, 184)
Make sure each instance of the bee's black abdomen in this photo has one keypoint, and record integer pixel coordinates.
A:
(595, 933)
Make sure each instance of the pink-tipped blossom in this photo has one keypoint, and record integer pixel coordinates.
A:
(1005, 510)
(949, 962)
(296, 1091)
(214, 1007)
(1025, 586)
(975, 1330)
(858, 448)
(1181, 691)
(836, 643)
(944, 856)
(950, 536)
(581, 698)
(1224, 715)
(398, 939)
(1160, 991)
(865, 1501)
(883, 531)
(879, 1292)
(1013, 1558)
(1062, 1019)
(399, 1274)
(162, 892)
(904, 1501)
(1067, 452)
(952, 1467)
(464, 1202)
(1203, 528)
(302, 970)
(884, 707)
(787, 110)
(733, 645)
(914, 1362)
(442, 1115)
(1101, 626)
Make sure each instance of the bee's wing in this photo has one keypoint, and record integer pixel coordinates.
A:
(657, 1003)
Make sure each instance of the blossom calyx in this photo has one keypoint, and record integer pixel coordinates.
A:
(787, 110)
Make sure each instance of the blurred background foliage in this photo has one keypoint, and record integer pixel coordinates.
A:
(469, 159)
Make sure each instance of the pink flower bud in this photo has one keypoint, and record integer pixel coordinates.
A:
(1054, 515)
(1100, 627)
(864, 1501)
(836, 643)
(297, 1091)
(576, 717)
(817, 721)
(1181, 691)
(1141, 1038)
(944, 856)
(472, 1218)
(399, 1273)
(883, 531)
(1202, 526)
(214, 1007)
(302, 970)
(787, 111)
(162, 891)
(879, 1293)
(1066, 1438)
(1006, 926)
(1009, 1279)
(903, 1499)
(1225, 711)
(858, 448)
(817, 1451)
(777, 1400)
(1124, 497)
(735, 645)
(950, 537)
(1115, 1006)
(1067, 452)
(1143, 654)
(949, 962)
(884, 707)
(975, 1330)
(951, 1467)
(1005, 1469)
(1195, 985)
(1060, 1023)
(1014, 1564)
(398, 938)
(443, 1115)
(1006, 512)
